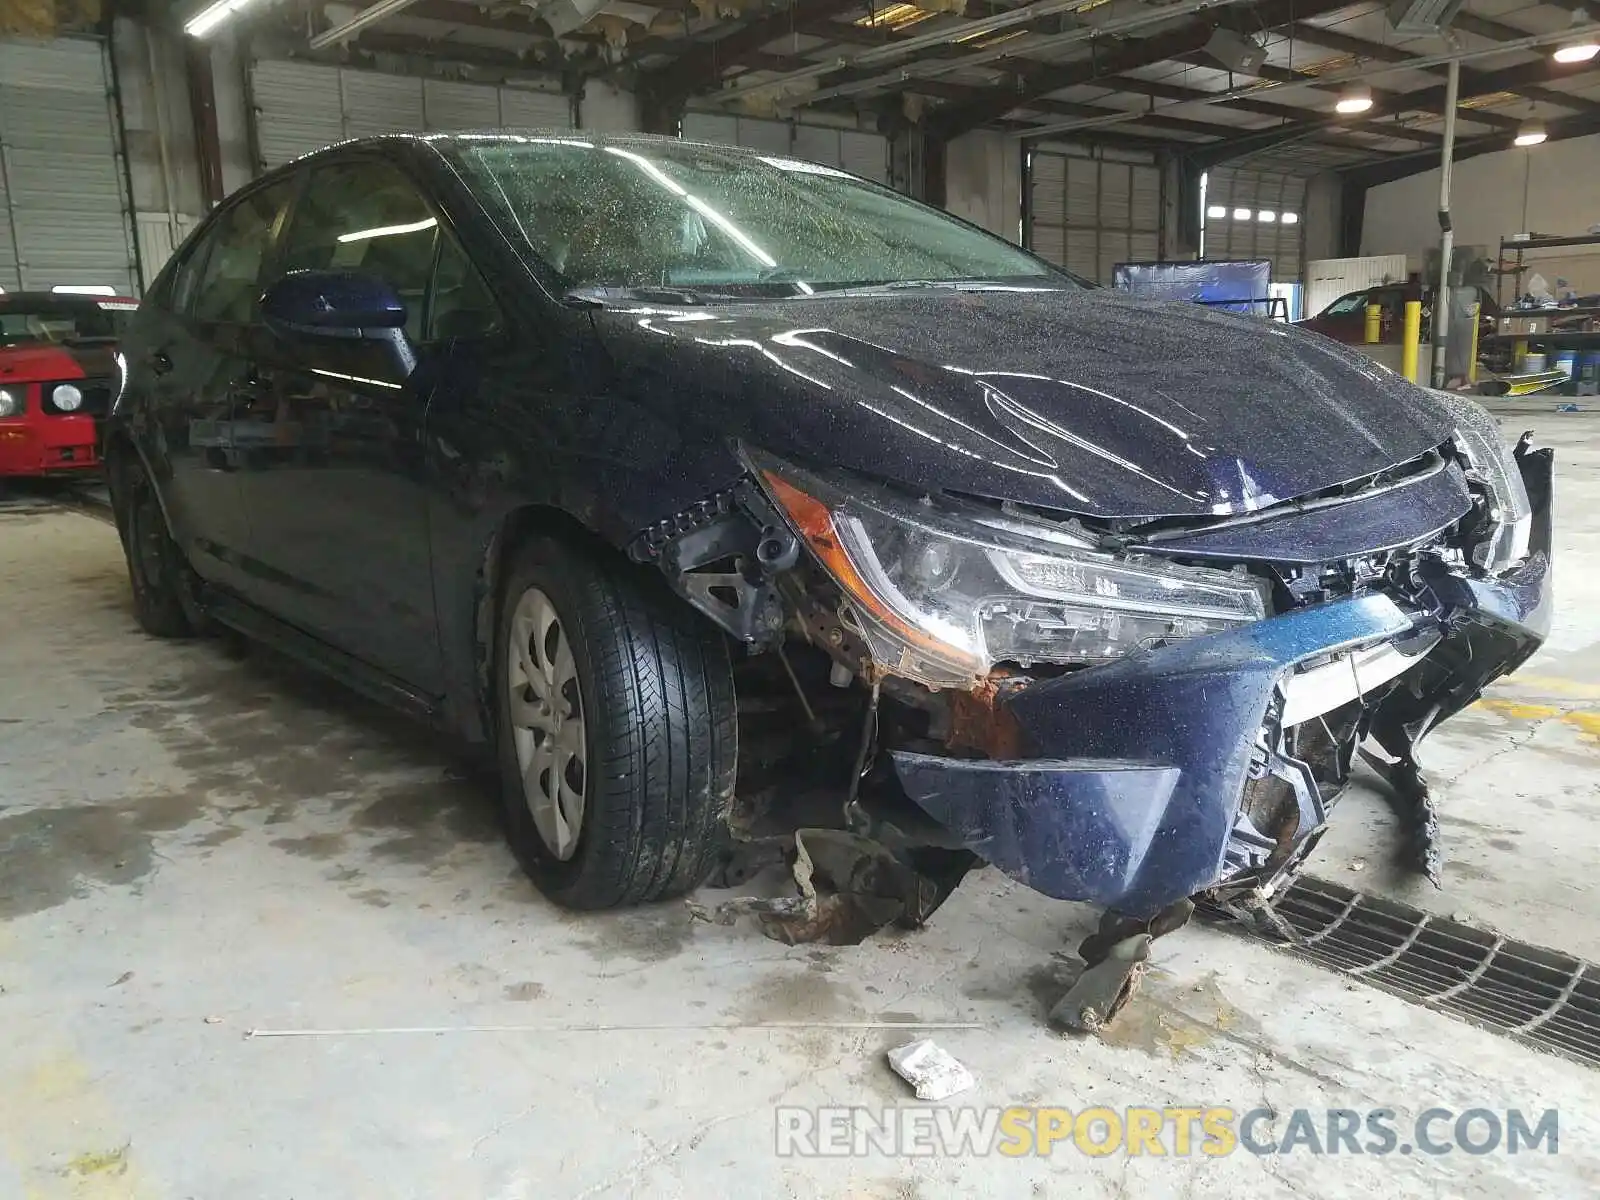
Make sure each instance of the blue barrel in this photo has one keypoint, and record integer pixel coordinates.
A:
(1589, 367)
(1567, 363)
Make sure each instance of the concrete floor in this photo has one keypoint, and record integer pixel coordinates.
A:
(192, 848)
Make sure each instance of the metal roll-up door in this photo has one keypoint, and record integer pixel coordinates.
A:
(63, 200)
(1245, 218)
(450, 105)
(301, 107)
(524, 109)
(864, 154)
(1088, 214)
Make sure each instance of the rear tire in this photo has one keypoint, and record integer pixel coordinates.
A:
(163, 582)
(615, 728)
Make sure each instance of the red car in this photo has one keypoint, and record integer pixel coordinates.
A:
(1345, 320)
(59, 373)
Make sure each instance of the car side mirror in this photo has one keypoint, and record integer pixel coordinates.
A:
(337, 304)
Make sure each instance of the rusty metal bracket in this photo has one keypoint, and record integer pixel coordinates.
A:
(849, 888)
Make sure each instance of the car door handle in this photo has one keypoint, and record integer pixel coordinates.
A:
(160, 361)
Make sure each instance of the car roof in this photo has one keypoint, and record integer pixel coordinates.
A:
(466, 137)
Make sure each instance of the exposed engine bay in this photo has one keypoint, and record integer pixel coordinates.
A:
(1142, 714)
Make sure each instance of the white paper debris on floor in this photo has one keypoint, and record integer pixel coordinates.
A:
(934, 1074)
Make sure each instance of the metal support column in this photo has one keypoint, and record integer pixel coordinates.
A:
(1447, 236)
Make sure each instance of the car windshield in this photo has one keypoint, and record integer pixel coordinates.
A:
(644, 214)
(49, 321)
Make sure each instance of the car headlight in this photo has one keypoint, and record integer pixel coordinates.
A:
(1492, 465)
(10, 403)
(66, 397)
(943, 591)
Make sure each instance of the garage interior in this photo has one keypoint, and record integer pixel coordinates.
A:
(259, 937)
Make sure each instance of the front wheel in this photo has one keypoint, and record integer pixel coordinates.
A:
(616, 730)
(162, 580)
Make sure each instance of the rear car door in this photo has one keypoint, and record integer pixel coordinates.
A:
(333, 475)
(186, 346)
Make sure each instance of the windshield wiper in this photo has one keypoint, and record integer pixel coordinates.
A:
(603, 295)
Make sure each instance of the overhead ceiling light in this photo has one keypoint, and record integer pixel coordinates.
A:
(1267, 215)
(1290, 218)
(212, 15)
(1216, 210)
(1241, 214)
(1530, 133)
(1356, 98)
(1581, 48)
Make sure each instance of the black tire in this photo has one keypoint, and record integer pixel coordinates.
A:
(163, 582)
(658, 723)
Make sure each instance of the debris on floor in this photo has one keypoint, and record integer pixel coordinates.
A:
(932, 1071)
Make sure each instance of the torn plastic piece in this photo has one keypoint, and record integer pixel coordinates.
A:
(933, 1072)
(850, 887)
(1104, 988)
(721, 556)
(1411, 798)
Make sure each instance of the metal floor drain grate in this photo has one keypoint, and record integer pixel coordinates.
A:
(1542, 998)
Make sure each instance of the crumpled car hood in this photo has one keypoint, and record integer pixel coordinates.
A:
(1084, 401)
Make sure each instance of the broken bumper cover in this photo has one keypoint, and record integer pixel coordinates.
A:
(1141, 763)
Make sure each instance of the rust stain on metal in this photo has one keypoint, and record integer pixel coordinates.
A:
(979, 722)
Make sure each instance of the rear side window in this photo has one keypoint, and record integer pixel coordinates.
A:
(229, 283)
(364, 215)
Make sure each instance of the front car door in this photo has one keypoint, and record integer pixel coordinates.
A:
(187, 347)
(333, 476)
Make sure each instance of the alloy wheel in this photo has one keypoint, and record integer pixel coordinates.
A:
(547, 725)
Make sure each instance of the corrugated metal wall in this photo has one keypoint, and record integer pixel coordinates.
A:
(864, 154)
(1088, 214)
(300, 107)
(63, 200)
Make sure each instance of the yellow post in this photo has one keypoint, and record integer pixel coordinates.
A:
(1519, 351)
(1472, 359)
(1408, 350)
(1374, 324)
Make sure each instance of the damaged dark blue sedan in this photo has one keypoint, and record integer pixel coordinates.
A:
(743, 512)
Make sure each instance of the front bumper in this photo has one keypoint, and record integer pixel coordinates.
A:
(45, 445)
(1134, 791)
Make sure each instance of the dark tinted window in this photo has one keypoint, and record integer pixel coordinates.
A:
(364, 215)
(234, 254)
(461, 305)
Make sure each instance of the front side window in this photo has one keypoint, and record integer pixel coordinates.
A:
(364, 215)
(665, 214)
(235, 251)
